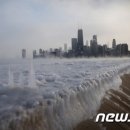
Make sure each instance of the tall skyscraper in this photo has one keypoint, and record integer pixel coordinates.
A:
(80, 42)
(23, 53)
(114, 43)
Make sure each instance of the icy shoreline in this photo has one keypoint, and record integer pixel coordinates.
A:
(47, 108)
(114, 101)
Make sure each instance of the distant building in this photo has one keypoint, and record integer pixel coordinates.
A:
(34, 54)
(94, 46)
(80, 42)
(23, 53)
(95, 38)
(114, 43)
(100, 50)
(122, 49)
(78, 49)
(74, 43)
(40, 52)
(105, 48)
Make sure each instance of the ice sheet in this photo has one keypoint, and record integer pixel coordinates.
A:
(70, 90)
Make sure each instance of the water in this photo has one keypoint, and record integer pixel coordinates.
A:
(62, 92)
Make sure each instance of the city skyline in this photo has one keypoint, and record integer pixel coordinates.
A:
(44, 24)
(79, 49)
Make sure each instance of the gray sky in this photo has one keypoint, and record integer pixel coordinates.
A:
(34, 24)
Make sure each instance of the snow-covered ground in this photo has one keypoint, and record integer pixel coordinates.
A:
(69, 89)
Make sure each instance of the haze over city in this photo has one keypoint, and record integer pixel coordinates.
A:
(34, 24)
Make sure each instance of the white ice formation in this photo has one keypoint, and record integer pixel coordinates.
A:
(56, 94)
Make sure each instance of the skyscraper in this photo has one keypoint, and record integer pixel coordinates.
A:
(74, 43)
(94, 46)
(80, 42)
(114, 43)
(95, 38)
(23, 53)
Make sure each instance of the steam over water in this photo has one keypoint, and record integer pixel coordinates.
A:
(55, 94)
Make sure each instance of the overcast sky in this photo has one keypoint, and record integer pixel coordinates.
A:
(34, 24)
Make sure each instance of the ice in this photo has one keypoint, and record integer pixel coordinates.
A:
(10, 76)
(32, 82)
(64, 91)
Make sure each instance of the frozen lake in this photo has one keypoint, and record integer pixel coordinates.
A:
(70, 89)
(56, 73)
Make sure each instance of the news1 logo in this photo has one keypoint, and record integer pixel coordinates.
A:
(112, 117)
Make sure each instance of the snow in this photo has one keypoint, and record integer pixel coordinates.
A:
(70, 89)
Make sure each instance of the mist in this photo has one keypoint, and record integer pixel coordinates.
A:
(34, 24)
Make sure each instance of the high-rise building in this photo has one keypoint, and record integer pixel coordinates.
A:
(114, 43)
(80, 42)
(23, 53)
(94, 46)
(95, 38)
(40, 52)
(74, 43)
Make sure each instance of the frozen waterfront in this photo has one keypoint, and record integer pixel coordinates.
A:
(70, 90)
(55, 74)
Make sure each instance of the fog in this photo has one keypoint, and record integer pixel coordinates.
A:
(34, 24)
